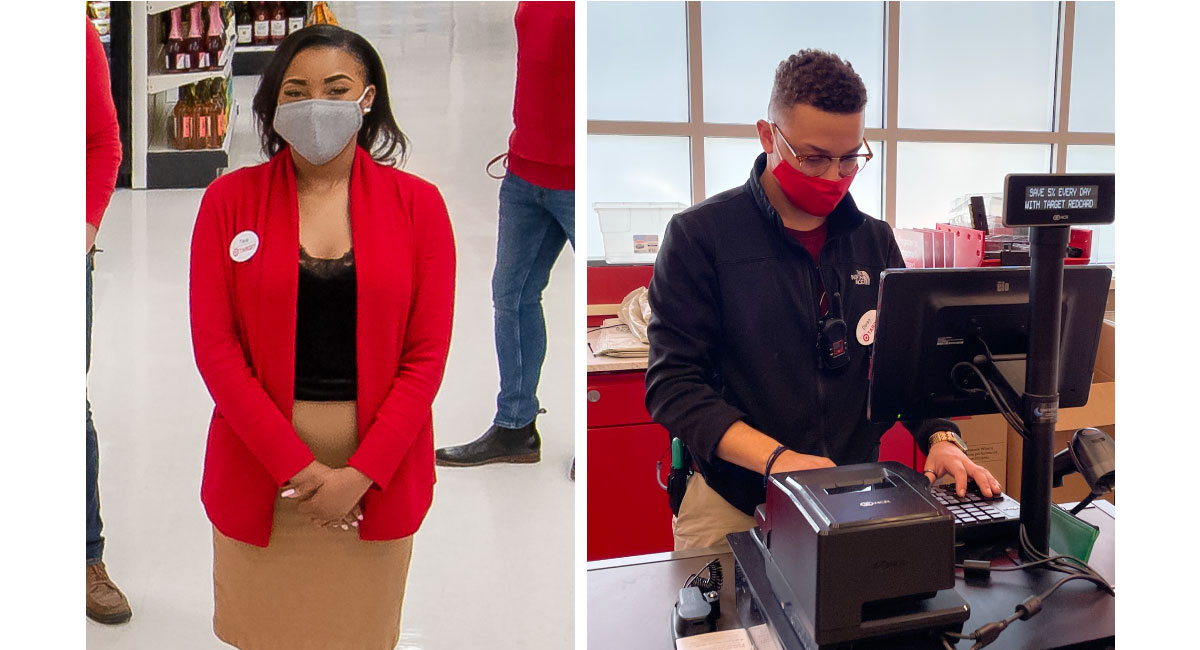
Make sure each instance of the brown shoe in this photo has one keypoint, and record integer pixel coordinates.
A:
(105, 603)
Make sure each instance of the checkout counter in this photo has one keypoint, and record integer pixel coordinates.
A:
(629, 599)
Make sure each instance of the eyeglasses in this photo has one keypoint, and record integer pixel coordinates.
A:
(817, 165)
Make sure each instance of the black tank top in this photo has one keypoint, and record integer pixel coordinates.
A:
(325, 329)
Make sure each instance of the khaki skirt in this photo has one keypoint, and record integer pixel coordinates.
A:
(311, 588)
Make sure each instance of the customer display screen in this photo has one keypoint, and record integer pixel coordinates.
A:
(1058, 199)
(1062, 197)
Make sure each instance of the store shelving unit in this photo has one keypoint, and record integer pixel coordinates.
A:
(251, 59)
(155, 164)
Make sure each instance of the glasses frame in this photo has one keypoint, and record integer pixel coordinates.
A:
(865, 157)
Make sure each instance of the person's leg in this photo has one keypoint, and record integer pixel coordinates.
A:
(95, 541)
(528, 243)
(705, 518)
(105, 602)
(522, 273)
(561, 204)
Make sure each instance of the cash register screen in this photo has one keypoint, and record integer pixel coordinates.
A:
(881, 484)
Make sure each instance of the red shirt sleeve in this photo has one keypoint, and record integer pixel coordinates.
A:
(103, 134)
(240, 399)
(407, 409)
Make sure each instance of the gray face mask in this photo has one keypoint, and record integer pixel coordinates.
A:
(319, 129)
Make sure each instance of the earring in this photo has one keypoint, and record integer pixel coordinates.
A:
(366, 110)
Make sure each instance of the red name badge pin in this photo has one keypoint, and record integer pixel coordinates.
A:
(243, 246)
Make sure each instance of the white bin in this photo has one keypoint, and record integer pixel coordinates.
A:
(632, 232)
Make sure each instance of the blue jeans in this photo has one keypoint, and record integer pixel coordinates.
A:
(95, 541)
(535, 223)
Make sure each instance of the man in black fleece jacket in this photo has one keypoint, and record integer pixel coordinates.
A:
(742, 286)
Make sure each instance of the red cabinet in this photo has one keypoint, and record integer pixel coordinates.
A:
(628, 513)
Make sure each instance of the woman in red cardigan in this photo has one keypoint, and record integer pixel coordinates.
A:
(322, 292)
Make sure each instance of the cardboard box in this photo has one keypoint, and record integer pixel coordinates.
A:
(1106, 357)
(1099, 412)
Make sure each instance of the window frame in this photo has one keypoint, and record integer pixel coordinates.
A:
(696, 129)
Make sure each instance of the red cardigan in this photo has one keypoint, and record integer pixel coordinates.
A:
(103, 134)
(541, 149)
(243, 317)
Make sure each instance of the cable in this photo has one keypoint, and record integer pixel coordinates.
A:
(1083, 504)
(1024, 611)
(1016, 567)
(713, 568)
(714, 580)
(1075, 568)
(987, 352)
(997, 398)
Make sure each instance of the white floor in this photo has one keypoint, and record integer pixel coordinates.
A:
(492, 566)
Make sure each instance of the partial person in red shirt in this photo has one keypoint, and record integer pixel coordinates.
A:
(105, 602)
(537, 218)
(322, 294)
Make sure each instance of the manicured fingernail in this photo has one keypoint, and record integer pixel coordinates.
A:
(360, 517)
(345, 527)
(288, 492)
(355, 524)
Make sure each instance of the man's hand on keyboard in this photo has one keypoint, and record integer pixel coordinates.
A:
(946, 458)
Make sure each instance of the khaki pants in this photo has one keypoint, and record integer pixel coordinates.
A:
(705, 518)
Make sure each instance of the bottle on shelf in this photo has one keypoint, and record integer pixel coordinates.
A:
(203, 116)
(262, 24)
(222, 111)
(177, 58)
(245, 24)
(194, 44)
(215, 44)
(278, 22)
(296, 16)
(185, 119)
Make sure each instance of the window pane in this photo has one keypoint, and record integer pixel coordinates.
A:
(727, 164)
(930, 176)
(634, 168)
(1096, 159)
(637, 61)
(1093, 68)
(978, 65)
(744, 41)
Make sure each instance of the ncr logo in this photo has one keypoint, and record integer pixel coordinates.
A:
(868, 504)
(1002, 287)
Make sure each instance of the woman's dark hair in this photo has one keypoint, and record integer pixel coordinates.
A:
(380, 135)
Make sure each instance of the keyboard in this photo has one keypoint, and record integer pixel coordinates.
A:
(978, 518)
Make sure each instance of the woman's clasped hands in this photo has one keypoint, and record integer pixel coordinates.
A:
(330, 497)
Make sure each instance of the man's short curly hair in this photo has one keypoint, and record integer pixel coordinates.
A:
(819, 79)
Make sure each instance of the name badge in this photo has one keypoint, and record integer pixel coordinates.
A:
(243, 246)
(865, 334)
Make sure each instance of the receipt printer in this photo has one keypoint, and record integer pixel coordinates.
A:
(858, 551)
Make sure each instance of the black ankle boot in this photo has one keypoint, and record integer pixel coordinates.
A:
(497, 445)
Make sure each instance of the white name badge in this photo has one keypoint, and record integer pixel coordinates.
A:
(244, 246)
(865, 334)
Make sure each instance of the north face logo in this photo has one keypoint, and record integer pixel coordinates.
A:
(861, 278)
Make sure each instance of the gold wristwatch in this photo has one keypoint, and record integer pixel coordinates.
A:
(944, 436)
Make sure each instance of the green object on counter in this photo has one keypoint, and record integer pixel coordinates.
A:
(676, 453)
(1070, 535)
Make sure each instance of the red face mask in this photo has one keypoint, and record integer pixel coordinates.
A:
(813, 194)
